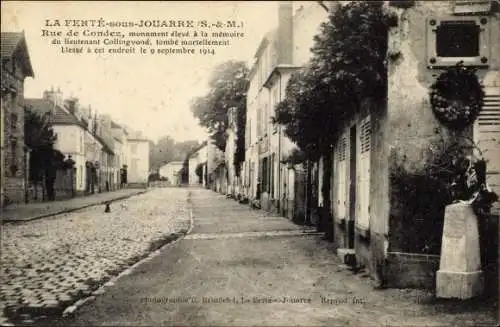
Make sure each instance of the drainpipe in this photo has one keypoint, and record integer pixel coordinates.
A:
(279, 151)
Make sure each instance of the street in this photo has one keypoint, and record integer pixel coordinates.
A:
(48, 263)
(237, 266)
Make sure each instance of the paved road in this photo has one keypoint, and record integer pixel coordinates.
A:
(240, 267)
(50, 263)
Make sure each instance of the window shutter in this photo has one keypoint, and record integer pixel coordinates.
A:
(341, 174)
(472, 6)
(363, 187)
(487, 136)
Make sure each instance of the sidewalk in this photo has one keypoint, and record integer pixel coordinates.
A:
(31, 211)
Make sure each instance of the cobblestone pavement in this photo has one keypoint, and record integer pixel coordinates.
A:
(48, 264)
(239, 267)
(29, 211)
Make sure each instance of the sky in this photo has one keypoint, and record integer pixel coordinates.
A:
(150, 93)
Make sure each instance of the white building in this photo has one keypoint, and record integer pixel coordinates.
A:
(121, 148)
(71, 132)
(137, 159)
(282, 51)
(171, 171)
(199, 157)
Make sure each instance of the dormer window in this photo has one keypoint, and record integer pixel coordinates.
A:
(457, 39)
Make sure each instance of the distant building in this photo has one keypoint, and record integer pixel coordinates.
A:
(16, 66)
(137, 159)
(121, 149)
(198, 159)
(171, 171)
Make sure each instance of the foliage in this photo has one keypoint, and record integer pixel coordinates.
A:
(449, 174)
(156, 177)
(457, 97)
(295, 157)
(40, 137)
(199, 171)
(167, 149)
(227, 89)
(184, 172)
(348, 65)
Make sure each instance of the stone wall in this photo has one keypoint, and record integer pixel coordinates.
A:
(13, 120)
(409, 270)
(411, 129)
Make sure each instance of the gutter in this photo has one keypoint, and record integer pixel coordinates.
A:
(279, 147)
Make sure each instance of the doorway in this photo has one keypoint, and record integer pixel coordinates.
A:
(352, 187)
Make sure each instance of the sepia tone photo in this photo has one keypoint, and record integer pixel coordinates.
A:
(250, 163)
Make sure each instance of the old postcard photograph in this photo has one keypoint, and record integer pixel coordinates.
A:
(250, 163)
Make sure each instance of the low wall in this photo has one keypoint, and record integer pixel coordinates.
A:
(410, 270)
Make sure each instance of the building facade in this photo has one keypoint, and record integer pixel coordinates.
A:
(281, 52)
(16, 66)
(137, 159)
(70, 131)
(198, 158)
(171, 171)
(400, 246)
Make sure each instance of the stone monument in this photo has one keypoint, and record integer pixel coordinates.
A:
(460, 275)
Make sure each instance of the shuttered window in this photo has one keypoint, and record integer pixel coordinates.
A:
(487, 136)
(363, 178)
(472, 6)
(341, 177)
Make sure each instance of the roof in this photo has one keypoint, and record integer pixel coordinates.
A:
(107, 143)
(60, 116)
(269, 37)
(63, 117)
(172, 163)
(11, 42)
(198, 148)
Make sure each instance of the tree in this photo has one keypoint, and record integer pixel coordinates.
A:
(227, 89)
(348, 66)
(167, 149)
(199, 172)
(40, 137)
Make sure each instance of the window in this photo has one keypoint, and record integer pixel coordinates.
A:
(341, 177)
(458, 38)
(272, 173)
(135, 164)
(275, 102)
(265, 174)
(133, 148)
(363, 176)
(80, 176)
(13, 120)
(472, 6)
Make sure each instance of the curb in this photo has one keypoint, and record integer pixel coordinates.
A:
(101, 290)
(60, 212)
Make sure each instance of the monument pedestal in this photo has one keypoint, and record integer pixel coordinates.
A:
(459, 275)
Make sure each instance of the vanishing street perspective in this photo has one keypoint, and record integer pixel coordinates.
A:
(339, 165)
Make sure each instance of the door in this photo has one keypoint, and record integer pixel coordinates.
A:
(352, 187)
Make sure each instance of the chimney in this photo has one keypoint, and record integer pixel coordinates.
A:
(285, 32)
(53, 96)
